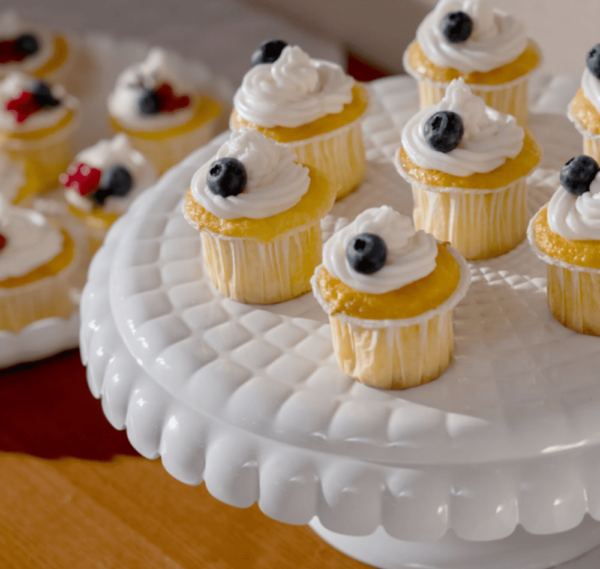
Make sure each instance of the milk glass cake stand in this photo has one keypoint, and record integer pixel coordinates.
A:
(496, 465)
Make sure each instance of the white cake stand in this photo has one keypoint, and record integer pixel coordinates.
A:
(494, 465)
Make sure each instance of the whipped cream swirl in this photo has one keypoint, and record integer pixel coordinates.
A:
(292, 91)
(490, 136)
(30, 240)
(276, 182)
(159, 67)
(497, 38)
(11, 88)
(591, 88)
(410, 254)
(576, 217)
(106, 154)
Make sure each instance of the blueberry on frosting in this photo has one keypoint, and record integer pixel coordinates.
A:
(366, 253)
(444, 130)
(457, 27)
(578, 173)
(268, 52)
(592, 61)
(43, 95)
(226, 177)
(117, 179)
(27, 44)
(149, 102)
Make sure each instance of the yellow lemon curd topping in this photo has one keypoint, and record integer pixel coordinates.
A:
(40, 133)
(587, 115)
(525, 63)
(581, 253)
(411, 300)
(352, 111)
(315, 204)
(61, 52)
(511, 170)
(96, 219)
(53, 267)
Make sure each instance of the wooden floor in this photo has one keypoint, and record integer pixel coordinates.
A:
(75, 495)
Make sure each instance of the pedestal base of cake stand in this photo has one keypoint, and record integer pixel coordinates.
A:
(521, 550)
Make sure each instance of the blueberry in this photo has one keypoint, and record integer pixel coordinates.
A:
(578, 173)
(149, 102)
(28, 44)
(100, 196)
(592, 61)
(444, 130)
(226, 177)
(457, 27)
(366, 253)
(117, 180)
(43, 95)
(268, 52)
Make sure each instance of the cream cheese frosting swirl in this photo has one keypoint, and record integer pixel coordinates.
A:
(30, 240)
(276, 182)
(159, 67)
(410, 254)
(576, 217)
(106, 154)
(497, 38)
(490, 137)
(292, 91)
(591, 88)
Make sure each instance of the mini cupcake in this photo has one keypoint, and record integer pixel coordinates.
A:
(310, 105)
(37, 123)
(40, 266)
(584, 109)
(484, 46)
(259, 213)
(32, 49)
(565, 234)
(161, 107)
(389, 291)
(103, 181)
(467, 164)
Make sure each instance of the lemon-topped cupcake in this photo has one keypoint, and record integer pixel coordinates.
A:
(467, 164)
(37, 123)
(103, 181)
(40, 265)
(259, 214)
(389, 291)
(584, 109)
(160, 104)
(565, 234)
(486, 47)
(310, 105)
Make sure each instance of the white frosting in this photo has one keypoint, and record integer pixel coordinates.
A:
(490, 136)
(11, 26)
(276, 182)
(497, 38)
(30, 241)
(12, 178)
(159, 67)
(591, 88)
(292, 91)
(12, 86)
(576, 217)
(105, 154)
(410, 254)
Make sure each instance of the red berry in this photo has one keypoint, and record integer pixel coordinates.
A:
(23, 106)
(82, 178)
(168, 101)
(2, 241)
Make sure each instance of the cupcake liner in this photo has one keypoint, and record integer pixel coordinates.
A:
(480, 224)
(396, 354)
(255, 272)
(591, 141)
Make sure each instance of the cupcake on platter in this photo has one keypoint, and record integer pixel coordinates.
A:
(40, 266)
(259, 215)
(584, 109)
(486, 47)
(389, 291)
(565, 234)
(310, 105)
(160, 104)
(467, 164)
(103, 181)
(37, 123)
